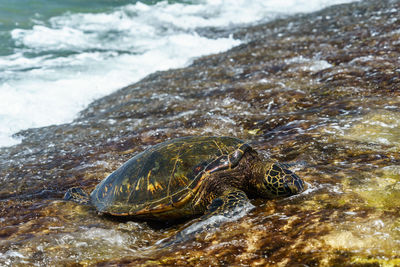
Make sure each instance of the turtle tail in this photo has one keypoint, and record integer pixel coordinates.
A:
(77, 195)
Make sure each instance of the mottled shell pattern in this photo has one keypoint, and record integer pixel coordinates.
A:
(165, 176)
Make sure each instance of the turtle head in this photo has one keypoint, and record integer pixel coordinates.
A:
(280, 181)
(77, 195)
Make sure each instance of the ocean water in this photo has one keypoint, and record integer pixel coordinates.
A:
(58, 56)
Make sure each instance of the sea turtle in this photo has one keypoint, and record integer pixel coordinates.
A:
(189, 176)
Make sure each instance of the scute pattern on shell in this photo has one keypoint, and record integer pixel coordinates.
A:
(165, 176)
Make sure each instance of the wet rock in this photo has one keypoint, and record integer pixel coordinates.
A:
(319, 88)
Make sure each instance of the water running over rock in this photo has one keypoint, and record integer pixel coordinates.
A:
(320, 88)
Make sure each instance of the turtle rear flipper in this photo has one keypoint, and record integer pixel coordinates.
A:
(77, 195)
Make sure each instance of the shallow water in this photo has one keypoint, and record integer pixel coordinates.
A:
(320, 90)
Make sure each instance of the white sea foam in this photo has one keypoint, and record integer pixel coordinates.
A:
(63, 64)
(215, 220)
(307, 64)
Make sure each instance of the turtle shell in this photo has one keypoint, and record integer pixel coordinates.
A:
(166, 176)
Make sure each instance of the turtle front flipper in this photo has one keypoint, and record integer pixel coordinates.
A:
(77, 195)
(229, 205)
(232, 205)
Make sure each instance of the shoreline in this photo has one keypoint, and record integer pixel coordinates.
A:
(212, 33)
(307, 88)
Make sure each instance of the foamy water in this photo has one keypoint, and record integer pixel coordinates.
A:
(59, 65)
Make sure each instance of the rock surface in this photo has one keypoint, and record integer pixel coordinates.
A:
(320, 88)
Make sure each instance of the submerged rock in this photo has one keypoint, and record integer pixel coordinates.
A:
(319, 88)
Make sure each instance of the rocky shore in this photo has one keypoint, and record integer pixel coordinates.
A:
(320, 88)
